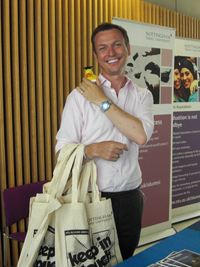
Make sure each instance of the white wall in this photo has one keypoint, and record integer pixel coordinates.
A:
(188, 7)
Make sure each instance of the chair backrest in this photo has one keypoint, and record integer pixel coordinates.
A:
(16, 201)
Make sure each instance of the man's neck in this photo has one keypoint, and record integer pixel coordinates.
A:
(117, 81)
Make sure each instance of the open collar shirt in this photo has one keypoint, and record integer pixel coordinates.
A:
(84, 122)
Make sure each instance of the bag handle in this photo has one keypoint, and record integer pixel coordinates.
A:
(63, 158)
(89, 174)
(70, 159)
(95, 189)
(74, 164)
(83, 184)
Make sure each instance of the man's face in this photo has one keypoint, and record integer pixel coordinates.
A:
(111, 52)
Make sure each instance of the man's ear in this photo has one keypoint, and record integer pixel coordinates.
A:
(129, 49)
(95, 55)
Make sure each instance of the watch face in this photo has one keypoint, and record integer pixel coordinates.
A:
(105, 105)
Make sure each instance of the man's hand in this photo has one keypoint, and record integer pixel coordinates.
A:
(92, 91)
(108, 150)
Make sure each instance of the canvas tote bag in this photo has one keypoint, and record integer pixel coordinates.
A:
(102, 226)
(103, 233)
(62, 230)
(71, 246)
(41, 229)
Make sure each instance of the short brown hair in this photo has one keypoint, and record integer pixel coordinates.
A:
(108, 26)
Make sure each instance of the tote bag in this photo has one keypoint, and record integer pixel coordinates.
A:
(39, 247)
(62, 230)
(102, 226)
(71, 246)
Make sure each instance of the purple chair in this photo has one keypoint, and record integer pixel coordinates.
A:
(16, 206)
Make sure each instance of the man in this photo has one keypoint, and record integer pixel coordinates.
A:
(113, 117)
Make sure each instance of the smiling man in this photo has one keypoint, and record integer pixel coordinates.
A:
(112, 117)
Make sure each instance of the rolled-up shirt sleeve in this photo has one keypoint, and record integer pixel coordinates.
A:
(71, 123)
(145, 114)
(142, 108)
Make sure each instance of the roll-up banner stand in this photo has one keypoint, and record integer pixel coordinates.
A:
(150, 65)
(186, 131)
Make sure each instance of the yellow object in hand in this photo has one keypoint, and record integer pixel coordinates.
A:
(89, 74)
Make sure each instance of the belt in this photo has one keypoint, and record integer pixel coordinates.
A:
(119, 194)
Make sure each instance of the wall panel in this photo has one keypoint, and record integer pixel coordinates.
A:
(59, 52)
(178, 25)
(39, 88)
(3, 173)
(136, 7)
(46, 89)
(141, 11)
(17, 126)
(44, 47)
(65, 48)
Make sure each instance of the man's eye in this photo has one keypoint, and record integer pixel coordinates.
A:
(102, 48)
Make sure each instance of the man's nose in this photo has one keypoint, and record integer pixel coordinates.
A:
(111, 51)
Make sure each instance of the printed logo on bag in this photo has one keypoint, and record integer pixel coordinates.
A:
(46, 254)
(101, 253)
(99, 219)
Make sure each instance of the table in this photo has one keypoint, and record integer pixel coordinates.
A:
(189, 238)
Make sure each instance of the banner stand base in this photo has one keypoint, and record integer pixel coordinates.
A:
(144, 240)
(186, 216)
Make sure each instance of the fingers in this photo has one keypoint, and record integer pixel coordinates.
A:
(80, 90)
(98, 82)
(125, 147)
(107, 150)
(119, 150)
(84, 87)
(114, 157)
(111, 150)
(86, 84)
(121, 146)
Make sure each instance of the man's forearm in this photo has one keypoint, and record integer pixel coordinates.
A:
(127, 124)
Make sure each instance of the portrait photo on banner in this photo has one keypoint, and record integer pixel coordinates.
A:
(186, 79)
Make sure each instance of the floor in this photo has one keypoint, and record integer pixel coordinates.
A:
(178, 227)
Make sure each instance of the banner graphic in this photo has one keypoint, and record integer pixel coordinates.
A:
(186, 130)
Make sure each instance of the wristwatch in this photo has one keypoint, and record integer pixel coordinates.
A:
(106, 105)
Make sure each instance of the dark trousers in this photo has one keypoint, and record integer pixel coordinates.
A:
(127, 209)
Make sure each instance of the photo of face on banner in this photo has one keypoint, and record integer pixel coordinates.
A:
(186, 79)
(143, 68)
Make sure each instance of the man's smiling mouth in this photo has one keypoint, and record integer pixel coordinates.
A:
(113, 60)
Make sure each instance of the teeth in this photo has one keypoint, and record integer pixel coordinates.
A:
(112, 61)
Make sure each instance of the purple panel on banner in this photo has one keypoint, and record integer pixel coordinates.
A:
(166, 95)
(186, 159)
(155, 161)
(166, 59)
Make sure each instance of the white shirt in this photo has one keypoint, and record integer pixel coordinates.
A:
(84, 122)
